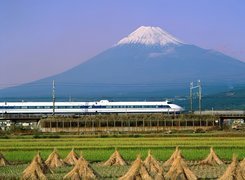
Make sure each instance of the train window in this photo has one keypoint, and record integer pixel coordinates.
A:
(98, 107)
(83, 107)
(3, 107)
(164, 106)
(7, 107)
(39, 107)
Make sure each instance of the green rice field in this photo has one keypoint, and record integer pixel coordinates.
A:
(99, 149)
(20, 151)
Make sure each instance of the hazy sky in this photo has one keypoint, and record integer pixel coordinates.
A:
(44, 37)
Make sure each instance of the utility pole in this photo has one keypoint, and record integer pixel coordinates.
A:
(199, 95)
(53, 98)
(191, 87)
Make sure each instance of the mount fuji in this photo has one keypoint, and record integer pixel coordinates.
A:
(149, 62)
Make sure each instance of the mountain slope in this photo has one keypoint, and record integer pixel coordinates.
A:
(149, 61)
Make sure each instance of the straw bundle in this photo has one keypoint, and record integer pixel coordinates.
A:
(54, 160)
(115, 159)
(233, 171)
(242, 164)
(44, 167)
(179, 170)
(212, 159)
(34, 171)
(71, 158)
(159, 175)
(137, 171)
(3, 161)
(82, 170)
(152, 165)
(173, 157)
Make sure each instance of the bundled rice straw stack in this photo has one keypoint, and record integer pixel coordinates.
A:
(233, 171)
(115, 159)
(137, 171)
(212, 159)
(179, 170)
(170, 161)
(3, 161)
(44, 167)
(71, 158)
(82, 170)
(152, 165)
(54, 160)
(36, 170)
(242, 164)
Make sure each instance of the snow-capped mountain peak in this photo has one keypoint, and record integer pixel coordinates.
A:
(148, 35)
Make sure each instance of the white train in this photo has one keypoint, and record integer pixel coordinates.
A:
(103, 106)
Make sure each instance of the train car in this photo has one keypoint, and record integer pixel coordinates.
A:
(103, 106)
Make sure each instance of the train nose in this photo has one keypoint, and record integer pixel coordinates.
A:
(180, 108)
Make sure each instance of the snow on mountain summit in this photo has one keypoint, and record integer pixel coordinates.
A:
(148, 35)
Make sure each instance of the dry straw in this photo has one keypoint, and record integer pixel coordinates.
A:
(180, 170)
(115, 159)
(82, 170)
(54, 160)
(137, 171)
(233, 171)
(44, 167)
(170, 161)
(152, 165)
(3, 161)
(36, 170)
(212, 159)
(242, 164)
(71, 158)
(159, 175)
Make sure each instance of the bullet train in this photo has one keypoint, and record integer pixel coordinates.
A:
(103, 106)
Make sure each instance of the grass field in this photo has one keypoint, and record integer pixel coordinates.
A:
(99, 149)
(20, 151)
